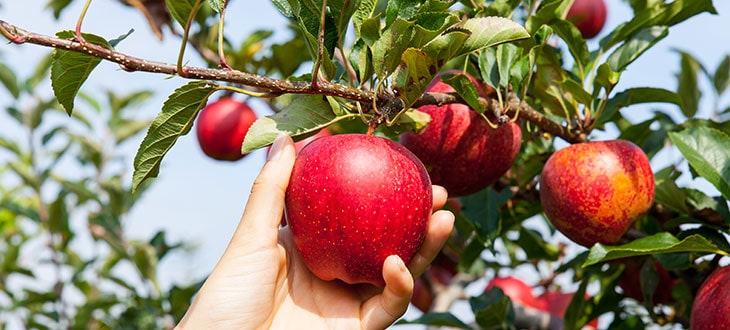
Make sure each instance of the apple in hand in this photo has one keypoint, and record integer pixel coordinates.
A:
(711, 308)
(517, 291)
(460, 150)
(593, 192)
(352, 201)
(589, 16)
(221, 127)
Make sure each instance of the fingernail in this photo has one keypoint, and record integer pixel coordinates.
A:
(399, 262)
(275, 151)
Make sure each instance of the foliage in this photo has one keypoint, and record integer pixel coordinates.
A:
(358, 65)
(65, 260)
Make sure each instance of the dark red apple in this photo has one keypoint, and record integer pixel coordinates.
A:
(593, 192)
(460, 150)
(352, 201)
(221, 127)
(711, 308)
(422, 296)
(438, 274)
(589, 16)
(557, 303)
(517, 290)
(630, 281)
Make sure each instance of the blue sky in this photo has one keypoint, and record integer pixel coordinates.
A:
(200, 200)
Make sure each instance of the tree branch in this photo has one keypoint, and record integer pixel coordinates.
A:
(277, 87)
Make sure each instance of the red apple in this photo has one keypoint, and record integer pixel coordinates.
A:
(711, 308)
(459, 148)
(354, 200)
(422, 296)
(517, 290)
(557, 303)
(630, 282)
(593, 192)
(589, 16)
(221, 127)
(438, 274)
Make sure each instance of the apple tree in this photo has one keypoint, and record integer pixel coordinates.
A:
(393, 69)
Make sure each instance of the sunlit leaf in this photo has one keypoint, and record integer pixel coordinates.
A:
(175, 120)
(660, 243)
(706, 150)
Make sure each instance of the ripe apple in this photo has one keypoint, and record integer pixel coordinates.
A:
(711, 308)
(352, 201)
(589, 16)
(439, 273)
(557, 303)
(221, 127)
(593, 192)
(460, 150)
(630, 281)
(517, 290)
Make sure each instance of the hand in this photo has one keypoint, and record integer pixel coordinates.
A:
(261, 282)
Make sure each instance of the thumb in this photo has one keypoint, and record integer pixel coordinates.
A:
(265, 205)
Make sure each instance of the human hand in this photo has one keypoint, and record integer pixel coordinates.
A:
(261, 282)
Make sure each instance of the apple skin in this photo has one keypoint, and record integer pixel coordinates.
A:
(711, 307)
(593, 192)
(557, 303)
(460, 150)
(630, 282)
(517, 290)
(589, 16)
(221, 127)
(354, 200)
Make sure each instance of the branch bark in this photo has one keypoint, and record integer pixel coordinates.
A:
(277, 87)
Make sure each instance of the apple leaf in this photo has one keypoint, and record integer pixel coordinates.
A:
(635, 46)
(393, 41)
(721, 78)
(300, 116)
(665, 14)
(71, 69)
(493, 309)
(445, 319)
(174, 120)
(706, 150)
(660, 243)
(638, 95)
(364, 11)
(490, 31)
(9, 80)
(688, 84)
(573, 38)
(465, 89)
(181, 9)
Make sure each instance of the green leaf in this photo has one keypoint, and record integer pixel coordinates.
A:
(721, 78)
(217, 5)
(437, 319)
(465, 89)
(535, 246)
(491, 31)
(71, 69)
(659, 243)
(666, 14)
(688, 84)
(302, 115)
(181, 9)
(706, 150)
(176, 118)
(9, 80)
(576, 44)
(638, 95)
(364, 11)
(639, 43)
(493, 309)
(392, 43)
